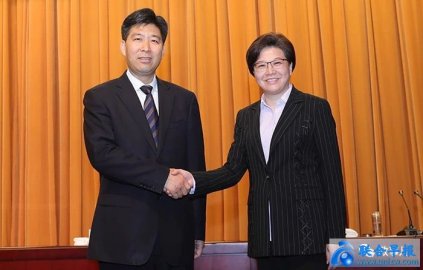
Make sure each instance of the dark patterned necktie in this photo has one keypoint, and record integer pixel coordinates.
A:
(151, 112)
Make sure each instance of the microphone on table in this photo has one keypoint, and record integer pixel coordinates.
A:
(408, 230)
(417, 193)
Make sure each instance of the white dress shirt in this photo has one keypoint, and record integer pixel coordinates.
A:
(269, 119)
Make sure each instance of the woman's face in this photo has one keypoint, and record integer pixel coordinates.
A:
(272, 71)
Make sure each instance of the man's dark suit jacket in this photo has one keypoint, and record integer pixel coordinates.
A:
(302, 179)
(132, 212)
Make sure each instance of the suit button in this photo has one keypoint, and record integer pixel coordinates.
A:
(267, 177)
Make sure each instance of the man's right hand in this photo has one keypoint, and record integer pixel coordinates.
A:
(177, 185)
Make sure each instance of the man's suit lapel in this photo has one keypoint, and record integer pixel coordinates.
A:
(292, 108)
(128, 96)
(166, 97)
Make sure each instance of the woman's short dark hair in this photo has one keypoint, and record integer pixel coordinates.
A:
(276, 40)
(144, 16)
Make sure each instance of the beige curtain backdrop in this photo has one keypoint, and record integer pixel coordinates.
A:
(364, 56)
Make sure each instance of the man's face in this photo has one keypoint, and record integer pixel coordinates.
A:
(143, 50)
(272, 71)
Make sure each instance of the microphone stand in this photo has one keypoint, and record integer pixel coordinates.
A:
(408, 230)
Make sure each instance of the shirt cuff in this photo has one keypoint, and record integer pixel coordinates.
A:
(192, 190)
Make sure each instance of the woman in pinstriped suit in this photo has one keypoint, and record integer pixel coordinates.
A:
(287, 141)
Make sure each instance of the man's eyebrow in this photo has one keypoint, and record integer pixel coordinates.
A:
(157, 36)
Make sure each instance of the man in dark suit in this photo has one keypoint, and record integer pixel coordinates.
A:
(133, 138)
(287, 141)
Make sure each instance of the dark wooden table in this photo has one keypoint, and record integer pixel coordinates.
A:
(216, 256)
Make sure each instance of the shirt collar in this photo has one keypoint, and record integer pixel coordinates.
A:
(283, 100)
(136, 83)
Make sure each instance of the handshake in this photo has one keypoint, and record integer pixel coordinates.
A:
(179, 183)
